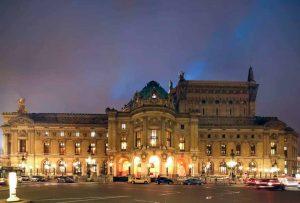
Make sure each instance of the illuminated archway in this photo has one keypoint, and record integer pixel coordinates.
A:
(170, 166)
(137, 168)
(154, 166)
(181, 167)
(123, 167)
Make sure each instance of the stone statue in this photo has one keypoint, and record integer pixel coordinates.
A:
(22, 107)
(251, 75)
(170, 85)
(181, 76)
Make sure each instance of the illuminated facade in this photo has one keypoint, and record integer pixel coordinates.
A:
(196, 128)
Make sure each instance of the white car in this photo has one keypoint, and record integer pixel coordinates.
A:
(138, 180)
(290, 182)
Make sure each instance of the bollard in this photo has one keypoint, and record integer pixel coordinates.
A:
(12, 179)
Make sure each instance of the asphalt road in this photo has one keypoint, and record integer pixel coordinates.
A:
(152, 193)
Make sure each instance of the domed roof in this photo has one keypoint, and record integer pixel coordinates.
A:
(153, 89)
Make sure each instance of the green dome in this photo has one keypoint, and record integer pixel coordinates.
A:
(153, 88)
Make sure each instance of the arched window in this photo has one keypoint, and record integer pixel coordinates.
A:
(77, 148)
(168, 138)
(252, 150)
(208, 149)
(153, 138)
(208, 167)
(223, 168)
(62, 148)
(252, 167)
(46, 167)
(46, 148)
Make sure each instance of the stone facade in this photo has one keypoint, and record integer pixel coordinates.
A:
(196, 128)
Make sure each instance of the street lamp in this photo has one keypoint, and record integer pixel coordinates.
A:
(129, 169)
(167, 169)
(190, 169)
(260, 170)
(231, 164)
(110, 168)
(149, 166)
(54, 168)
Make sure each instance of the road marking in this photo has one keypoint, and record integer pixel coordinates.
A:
(82, 199)
(171, 193)
(140, 200)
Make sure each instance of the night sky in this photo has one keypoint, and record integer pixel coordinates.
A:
(82, 56)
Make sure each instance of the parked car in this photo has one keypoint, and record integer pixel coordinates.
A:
(163, 180)
(38, 179)
(193, 181)
(65, 179)
(3, 181)
(25, 178)
(289, 182)
(250, 181)
(269, 184)
(138, 180)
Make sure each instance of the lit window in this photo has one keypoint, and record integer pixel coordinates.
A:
(62, 148)
(93, 134)
(223, 149)
(273, 148)
(169, 139)
(238, 150)
(93, 148)
(123, 143)
(22, 145)
(46, 133)
(46, 148)
(153, 138)
(285, 152)
(252, 150)
(154, 96)
(77, 134)
(62, 133)
(77, 148)
(138, 139)
(181, 144)
(123, 126)
(208, 149)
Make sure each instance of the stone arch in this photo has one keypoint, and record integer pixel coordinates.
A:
(123, 166)
(181, 167)
(154, 163)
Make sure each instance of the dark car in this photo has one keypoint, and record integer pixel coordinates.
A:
(65, 179)
(25, 178)
(163, 180)
(269, 184)
(38, 179)
(193, 181)
(250, 181)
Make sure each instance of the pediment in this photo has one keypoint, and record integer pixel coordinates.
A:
(20, 120)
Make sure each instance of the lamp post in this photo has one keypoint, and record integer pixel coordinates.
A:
(190, 169)
(54, 168)
(167, 169)
(149, 166)
(89, 162)
(231, 164)
(110, 168)
(260, 170)
(129, 169)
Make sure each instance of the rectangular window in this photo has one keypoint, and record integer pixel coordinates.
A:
(123, 143)
(153, 138)
(223, 149)
(62, 133)
(123, 126)
(62, 148)
(181, 144)
(77, 134)
(285, 152)
(182, 126)
(77, 148)
(252, 150)
(93, 134)
(238, 150)
(208, 150)
(138, 139)
(93, 148)
(46, 148)
(169, 139)
(22, 146)
(273, 148)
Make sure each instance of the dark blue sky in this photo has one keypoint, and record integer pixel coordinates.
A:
(82, 56)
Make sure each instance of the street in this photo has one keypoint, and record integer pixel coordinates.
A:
(123, 193)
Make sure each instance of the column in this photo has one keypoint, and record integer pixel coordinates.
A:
(145, 132)
(5, 146)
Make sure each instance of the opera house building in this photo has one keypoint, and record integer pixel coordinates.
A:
(195, 128)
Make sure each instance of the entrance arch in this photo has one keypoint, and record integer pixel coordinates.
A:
(154, 166)
(123, 167)
(181, 167)
(170, 166)
(137, 167)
